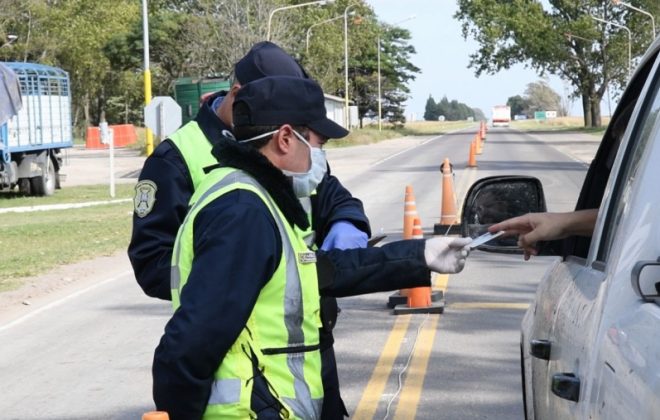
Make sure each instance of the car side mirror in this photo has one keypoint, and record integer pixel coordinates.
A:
(645, 280)
(494, 199)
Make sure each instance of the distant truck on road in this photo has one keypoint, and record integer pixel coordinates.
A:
(501, 116)
(35, 125)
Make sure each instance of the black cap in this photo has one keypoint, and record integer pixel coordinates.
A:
(266, 59)
(278, 100)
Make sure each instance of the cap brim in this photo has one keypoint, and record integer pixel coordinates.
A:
(328, 128)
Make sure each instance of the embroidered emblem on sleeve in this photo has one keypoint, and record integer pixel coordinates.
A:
(145, 197)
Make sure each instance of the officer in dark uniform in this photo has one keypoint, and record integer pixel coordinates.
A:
(229, 351)
(171, 174)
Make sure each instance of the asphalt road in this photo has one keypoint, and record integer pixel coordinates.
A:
(88, 355)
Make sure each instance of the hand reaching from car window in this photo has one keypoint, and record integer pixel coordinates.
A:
(534, 227)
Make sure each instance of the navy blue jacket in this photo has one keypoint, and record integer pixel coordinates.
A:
(235, 255)
(152, 241)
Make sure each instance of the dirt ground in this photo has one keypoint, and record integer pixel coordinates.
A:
(89, 167)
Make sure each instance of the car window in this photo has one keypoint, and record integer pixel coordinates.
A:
(640, 138)
(598, 174)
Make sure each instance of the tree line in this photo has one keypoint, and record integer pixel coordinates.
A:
(99, 43)
(450, 110)
(562, 38)
(538, 96)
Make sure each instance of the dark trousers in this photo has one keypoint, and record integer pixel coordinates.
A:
(333, 406)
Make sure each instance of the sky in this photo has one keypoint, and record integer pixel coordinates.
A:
(443, 57)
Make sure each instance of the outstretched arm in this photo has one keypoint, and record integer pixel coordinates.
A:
(534, 227)
(397, 265)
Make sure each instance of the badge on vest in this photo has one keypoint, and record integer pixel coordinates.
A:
(145, 197)
(307, 257)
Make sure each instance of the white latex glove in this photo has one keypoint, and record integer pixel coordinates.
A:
(445, 254)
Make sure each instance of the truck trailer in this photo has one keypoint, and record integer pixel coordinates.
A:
(35, 128)
(501, 116)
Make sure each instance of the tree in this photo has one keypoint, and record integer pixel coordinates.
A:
(452, 110)
(100, 44)
(325, 60)
(479, 114)
(518, 104)
(431, 110)
(510, 32)
(72, 35)
(540, 97)
(444, 107)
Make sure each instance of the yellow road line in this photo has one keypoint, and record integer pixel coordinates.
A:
(440, 282)
(488, 305)
(374, 390)
(414, 384)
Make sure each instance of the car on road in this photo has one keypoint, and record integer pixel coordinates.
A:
(589, 343)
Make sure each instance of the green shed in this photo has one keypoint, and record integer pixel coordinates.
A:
(188, 91)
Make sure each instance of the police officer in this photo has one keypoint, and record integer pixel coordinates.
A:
(244, 339)
(175, 169)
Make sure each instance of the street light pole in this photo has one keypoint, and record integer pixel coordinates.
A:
(346, 113)
(309, 30)
(608, 22)
(147, 72)
(380, 98)
(637, 9)
(294, 6)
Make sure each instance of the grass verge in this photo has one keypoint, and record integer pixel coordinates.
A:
(37, 244)
(78, 194)
(560, 124)
(371, 134)
(367, 135)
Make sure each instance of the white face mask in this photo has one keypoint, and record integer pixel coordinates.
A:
(304, 183)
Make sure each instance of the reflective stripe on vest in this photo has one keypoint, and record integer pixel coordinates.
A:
(225, 390)
(195, 149)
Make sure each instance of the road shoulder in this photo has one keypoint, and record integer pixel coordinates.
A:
(41, 290)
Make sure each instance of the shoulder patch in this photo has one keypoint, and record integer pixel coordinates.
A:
(145, 197)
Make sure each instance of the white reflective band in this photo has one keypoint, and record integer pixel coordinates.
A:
(225, 391)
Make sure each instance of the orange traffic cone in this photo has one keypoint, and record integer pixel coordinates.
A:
(155, 415)
(409, 212)
(417, 229)
(479, 144)
(420, 299)
(448, 215)
(472, 159)
(409, 216)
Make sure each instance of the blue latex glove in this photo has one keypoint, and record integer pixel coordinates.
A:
(343, 235)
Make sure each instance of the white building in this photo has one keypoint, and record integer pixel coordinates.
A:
(334, 106)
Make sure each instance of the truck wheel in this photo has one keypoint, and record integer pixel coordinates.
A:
(44, 185)
(24, 186)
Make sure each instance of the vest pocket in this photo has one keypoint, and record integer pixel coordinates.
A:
(264, 401)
